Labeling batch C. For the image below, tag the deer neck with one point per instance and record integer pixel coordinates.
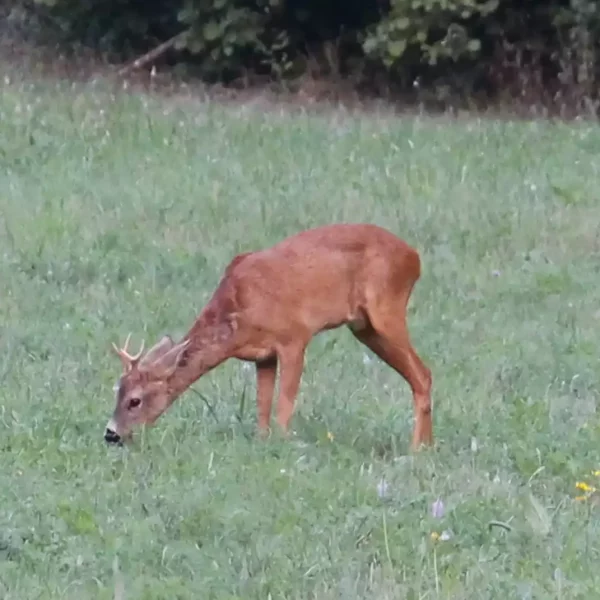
(210, 342)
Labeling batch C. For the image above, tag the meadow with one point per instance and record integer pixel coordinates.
(118, 214)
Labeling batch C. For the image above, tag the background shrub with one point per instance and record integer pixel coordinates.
(508, 47)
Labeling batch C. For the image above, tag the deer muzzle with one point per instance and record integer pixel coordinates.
(110, 434)
(111, 437)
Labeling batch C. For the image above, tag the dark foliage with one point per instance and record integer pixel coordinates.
(518, 48)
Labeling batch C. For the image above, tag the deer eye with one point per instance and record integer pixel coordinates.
(134, 403)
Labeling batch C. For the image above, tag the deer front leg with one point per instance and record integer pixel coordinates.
(266, 371)
(291, 359)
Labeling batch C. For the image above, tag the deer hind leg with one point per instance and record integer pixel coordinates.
(266, 373)
(387, 336)
(291, 359)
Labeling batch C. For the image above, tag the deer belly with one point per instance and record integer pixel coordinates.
(254, 353)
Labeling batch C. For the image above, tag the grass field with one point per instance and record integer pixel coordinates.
(119, 213)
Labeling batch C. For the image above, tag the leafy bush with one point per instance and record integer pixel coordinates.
(427, 30)
(228, 35)
(269, 36)
(491, 45)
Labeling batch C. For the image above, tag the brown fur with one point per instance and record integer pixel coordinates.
(266, 309)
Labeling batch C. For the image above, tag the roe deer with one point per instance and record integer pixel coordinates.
(266, 309)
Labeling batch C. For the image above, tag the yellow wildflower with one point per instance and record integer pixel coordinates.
(584, 487)
(435, 536)
(596, 473)
(330, 436)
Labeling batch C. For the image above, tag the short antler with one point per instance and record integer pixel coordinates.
(127, 359)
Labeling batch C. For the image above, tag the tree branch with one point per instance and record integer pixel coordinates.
(149, 56)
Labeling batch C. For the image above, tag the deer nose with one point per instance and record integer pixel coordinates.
(111, 437)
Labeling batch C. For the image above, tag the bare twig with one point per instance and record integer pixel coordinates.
(500, 524)
(149, 56)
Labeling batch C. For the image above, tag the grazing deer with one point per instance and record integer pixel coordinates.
(266, 309)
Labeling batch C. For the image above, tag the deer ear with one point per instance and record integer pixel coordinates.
(165, 364)
(161, 347)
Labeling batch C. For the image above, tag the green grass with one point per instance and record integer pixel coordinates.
(119, 213)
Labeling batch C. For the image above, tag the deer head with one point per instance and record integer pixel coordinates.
(143, 392)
